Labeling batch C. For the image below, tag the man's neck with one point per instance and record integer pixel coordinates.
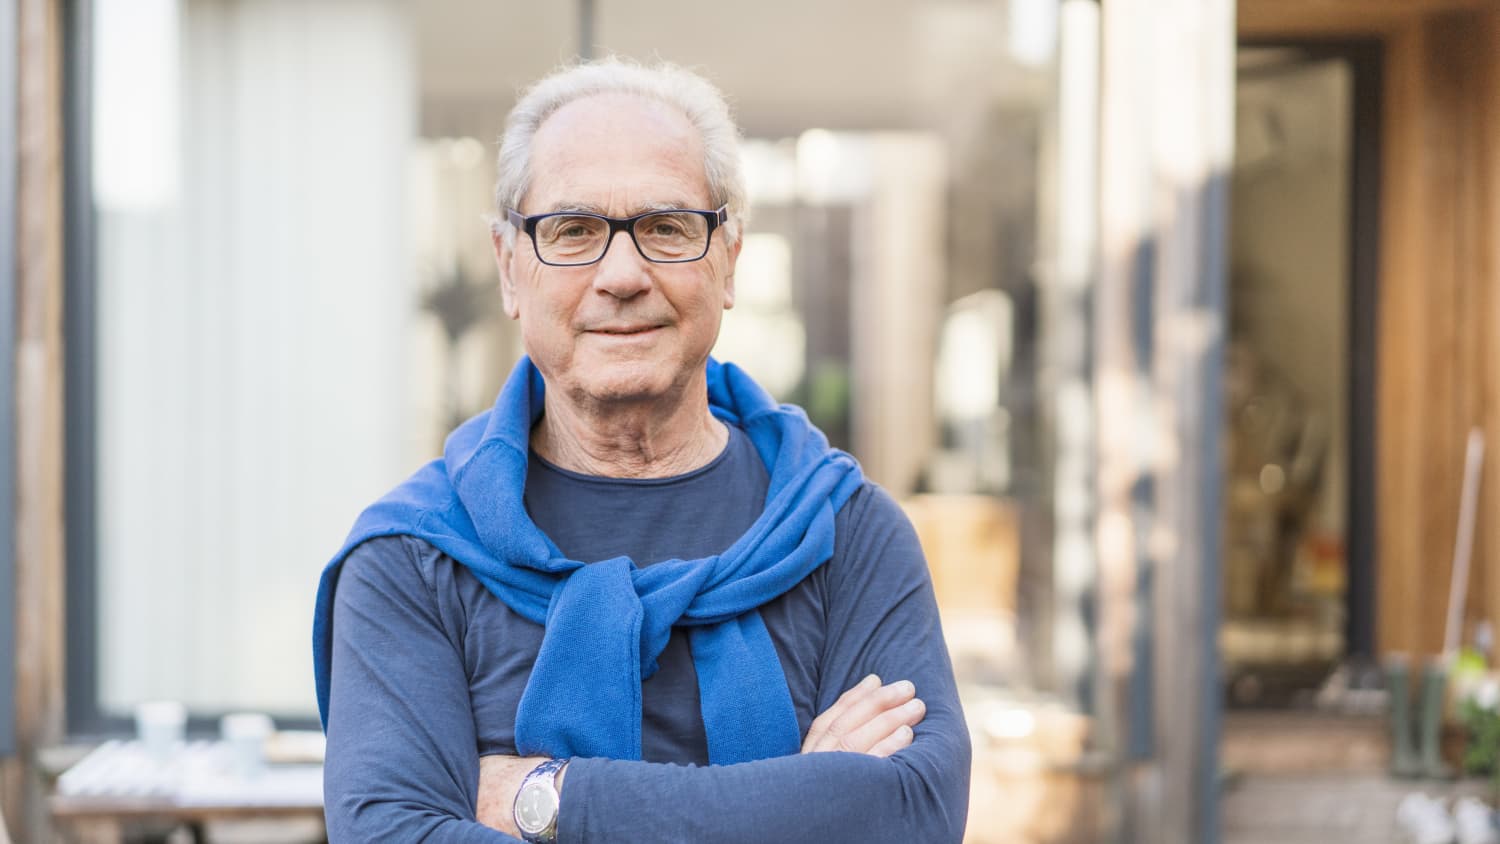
(646, 440)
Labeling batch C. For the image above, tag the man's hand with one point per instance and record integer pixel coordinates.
(499, 779)
(869, 718)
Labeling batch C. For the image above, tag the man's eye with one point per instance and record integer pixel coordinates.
(665, 227)
(573, 230)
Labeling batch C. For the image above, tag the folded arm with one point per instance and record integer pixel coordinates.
(401, 762)
(882, 618)
(919, 794)
(872, 719)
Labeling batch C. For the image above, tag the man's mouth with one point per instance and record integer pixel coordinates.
(624, 330)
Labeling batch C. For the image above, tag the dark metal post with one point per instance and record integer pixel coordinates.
(79, 294)
(1366, 60)
(586, 20)
(9, 48)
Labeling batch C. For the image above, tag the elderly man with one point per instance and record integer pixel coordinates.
(636, 599)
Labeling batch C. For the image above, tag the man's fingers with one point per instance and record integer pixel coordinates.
(865, 716)
(865, 737)
(869, 684)
(820, 736)
(898, 740)
(817, 733)
(867, 709)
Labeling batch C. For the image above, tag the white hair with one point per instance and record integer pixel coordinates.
(697, 98)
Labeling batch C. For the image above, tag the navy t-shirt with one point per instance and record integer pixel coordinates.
(428, 668)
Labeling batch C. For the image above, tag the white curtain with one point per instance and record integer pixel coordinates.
(253, 310)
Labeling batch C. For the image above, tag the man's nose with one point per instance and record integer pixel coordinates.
(622, 272)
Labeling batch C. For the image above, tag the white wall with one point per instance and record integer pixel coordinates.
(252, 330)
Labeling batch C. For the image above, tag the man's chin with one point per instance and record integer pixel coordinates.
(627, 383)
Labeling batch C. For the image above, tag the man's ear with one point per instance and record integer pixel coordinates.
(503, 254)
(734, 258)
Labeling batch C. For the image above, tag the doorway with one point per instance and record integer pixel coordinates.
(1299, 567)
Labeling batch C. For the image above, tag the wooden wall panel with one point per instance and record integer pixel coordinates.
(39, 418)
(1400, 329)
(1438, 451)
(1341, 18)
(1269, 21)
(1437, 318)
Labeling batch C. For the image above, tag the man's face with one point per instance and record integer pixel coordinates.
(623, 329)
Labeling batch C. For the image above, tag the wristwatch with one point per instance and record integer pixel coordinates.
(535, 811)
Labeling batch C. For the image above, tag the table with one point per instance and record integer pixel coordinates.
(119, 784)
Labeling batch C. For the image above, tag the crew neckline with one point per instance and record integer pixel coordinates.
(605, 480)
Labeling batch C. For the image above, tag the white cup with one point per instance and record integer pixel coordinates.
(245, 733)
(160, 725)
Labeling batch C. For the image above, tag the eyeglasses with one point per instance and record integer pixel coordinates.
(574, 239)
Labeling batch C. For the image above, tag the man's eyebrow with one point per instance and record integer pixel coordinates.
(580, 207)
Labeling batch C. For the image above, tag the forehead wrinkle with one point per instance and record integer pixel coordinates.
(599, 210)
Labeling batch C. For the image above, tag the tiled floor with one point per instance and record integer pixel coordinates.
(1291, 778)
(1323, 808)
(1312, 778)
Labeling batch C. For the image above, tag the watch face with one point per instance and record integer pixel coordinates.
(536, 807)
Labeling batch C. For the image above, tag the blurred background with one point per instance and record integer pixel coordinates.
(1168, 323)
(295, 297)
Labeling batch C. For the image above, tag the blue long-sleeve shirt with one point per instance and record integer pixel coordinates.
(428, 668)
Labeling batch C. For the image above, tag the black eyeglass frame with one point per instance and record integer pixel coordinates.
(715, 219)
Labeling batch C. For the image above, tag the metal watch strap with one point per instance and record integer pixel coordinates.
(547, 770)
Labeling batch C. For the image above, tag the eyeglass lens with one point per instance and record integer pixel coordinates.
(581, 239)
